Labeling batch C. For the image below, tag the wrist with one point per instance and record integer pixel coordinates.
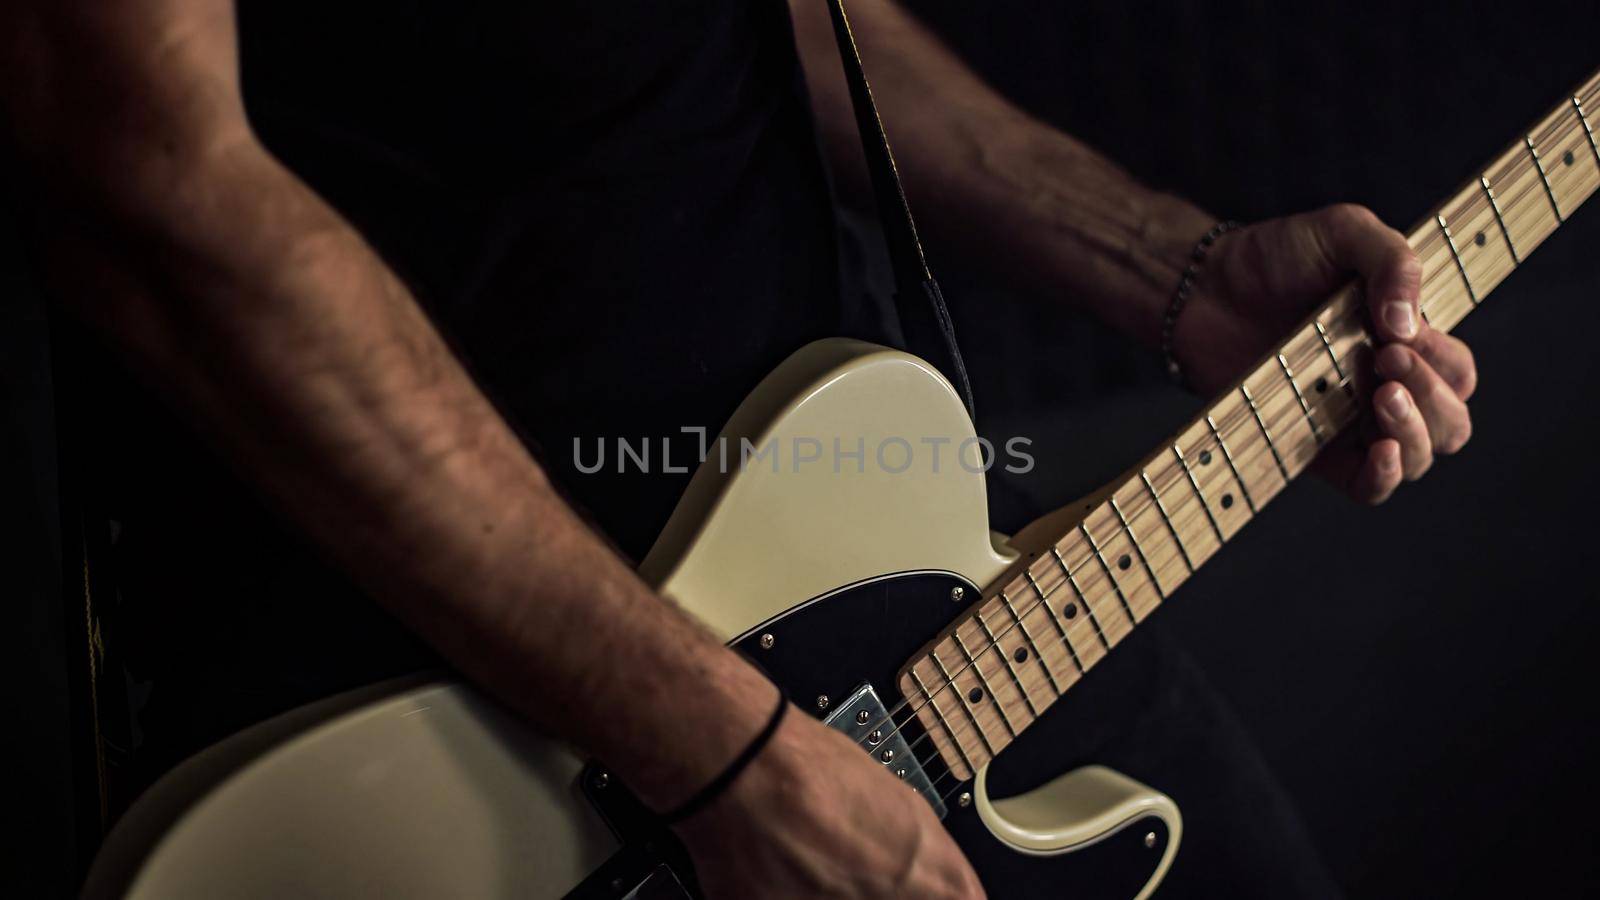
(1188, 286)
(676, 739)
(1169, 233)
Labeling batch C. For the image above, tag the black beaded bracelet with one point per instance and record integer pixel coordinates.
(1180, 298)
(714, 789)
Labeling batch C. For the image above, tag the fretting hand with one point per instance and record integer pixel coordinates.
(1259, 282)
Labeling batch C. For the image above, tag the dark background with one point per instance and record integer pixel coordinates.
(1418, 676)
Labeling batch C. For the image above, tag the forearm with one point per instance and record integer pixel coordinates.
(1031, 203)
(246, 300)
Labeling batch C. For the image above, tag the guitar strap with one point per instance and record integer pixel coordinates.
(917, 298)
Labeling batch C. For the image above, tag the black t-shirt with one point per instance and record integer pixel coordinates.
(616, 212)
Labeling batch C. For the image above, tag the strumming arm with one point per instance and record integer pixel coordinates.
(222, 279)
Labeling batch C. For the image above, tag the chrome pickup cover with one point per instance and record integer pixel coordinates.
(876, 733)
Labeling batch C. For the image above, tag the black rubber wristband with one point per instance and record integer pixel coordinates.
(703, 797)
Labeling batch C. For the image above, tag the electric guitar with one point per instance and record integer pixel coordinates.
(875, 595)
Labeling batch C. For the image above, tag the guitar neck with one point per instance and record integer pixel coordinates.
(1034, 635)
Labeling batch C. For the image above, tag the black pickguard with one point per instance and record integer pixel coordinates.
(828, 647)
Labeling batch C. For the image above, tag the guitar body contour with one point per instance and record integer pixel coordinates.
(830, 570)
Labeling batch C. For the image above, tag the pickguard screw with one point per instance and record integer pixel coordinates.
(602, 780)
(767, 640)
(875, 736)
(965, 799)
(822, 701)
(956, 593)
(887, 755)
(1150, 839)
(862, 717)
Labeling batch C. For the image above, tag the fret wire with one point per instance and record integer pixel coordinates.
(1316, 432)
(1516, 167)
(972, 663)
(1006, 658)
(1197, 493)
(1539, 164)
(1237, 418)
(1322, 333)
(1578, 105)
(1095, 545)
(1255, 412)
(1162, 508)
(965, 706)
(1073, 583)
(1028, 635)
(943, 722)
(1494, 204)
(1245, 390)
(1523, 212)
(1448, 304)
(1137, 547)
(1455, 254)
(1228, 455)
(1044, 600)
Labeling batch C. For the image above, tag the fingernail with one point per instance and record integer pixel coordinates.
(1398, 406)
(1401, 318)
(1394, 361)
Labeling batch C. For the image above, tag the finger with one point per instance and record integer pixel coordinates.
(1398, 418)
(1377, 473)
(1451, 358)
(1444, 414)
(1353, 239)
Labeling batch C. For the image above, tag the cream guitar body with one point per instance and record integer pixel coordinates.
(829, 579)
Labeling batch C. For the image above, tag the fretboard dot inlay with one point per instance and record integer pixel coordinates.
(1124, 562)
(975, 695)
(1480, 239)
(1567, 157)
(1070, 610)
(1205, 457)
(1322, 385)
(1021, 655)
(1227, 501)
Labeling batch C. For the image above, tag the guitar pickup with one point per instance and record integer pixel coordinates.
(865, 720)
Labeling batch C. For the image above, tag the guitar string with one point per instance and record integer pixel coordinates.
(1083, 631)
(1571, 132)
(1145, 505)
(1177, 475)
(1350, 413)
(1253, 447)
(1257, 446)
(1193, 506)
(936, 781)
